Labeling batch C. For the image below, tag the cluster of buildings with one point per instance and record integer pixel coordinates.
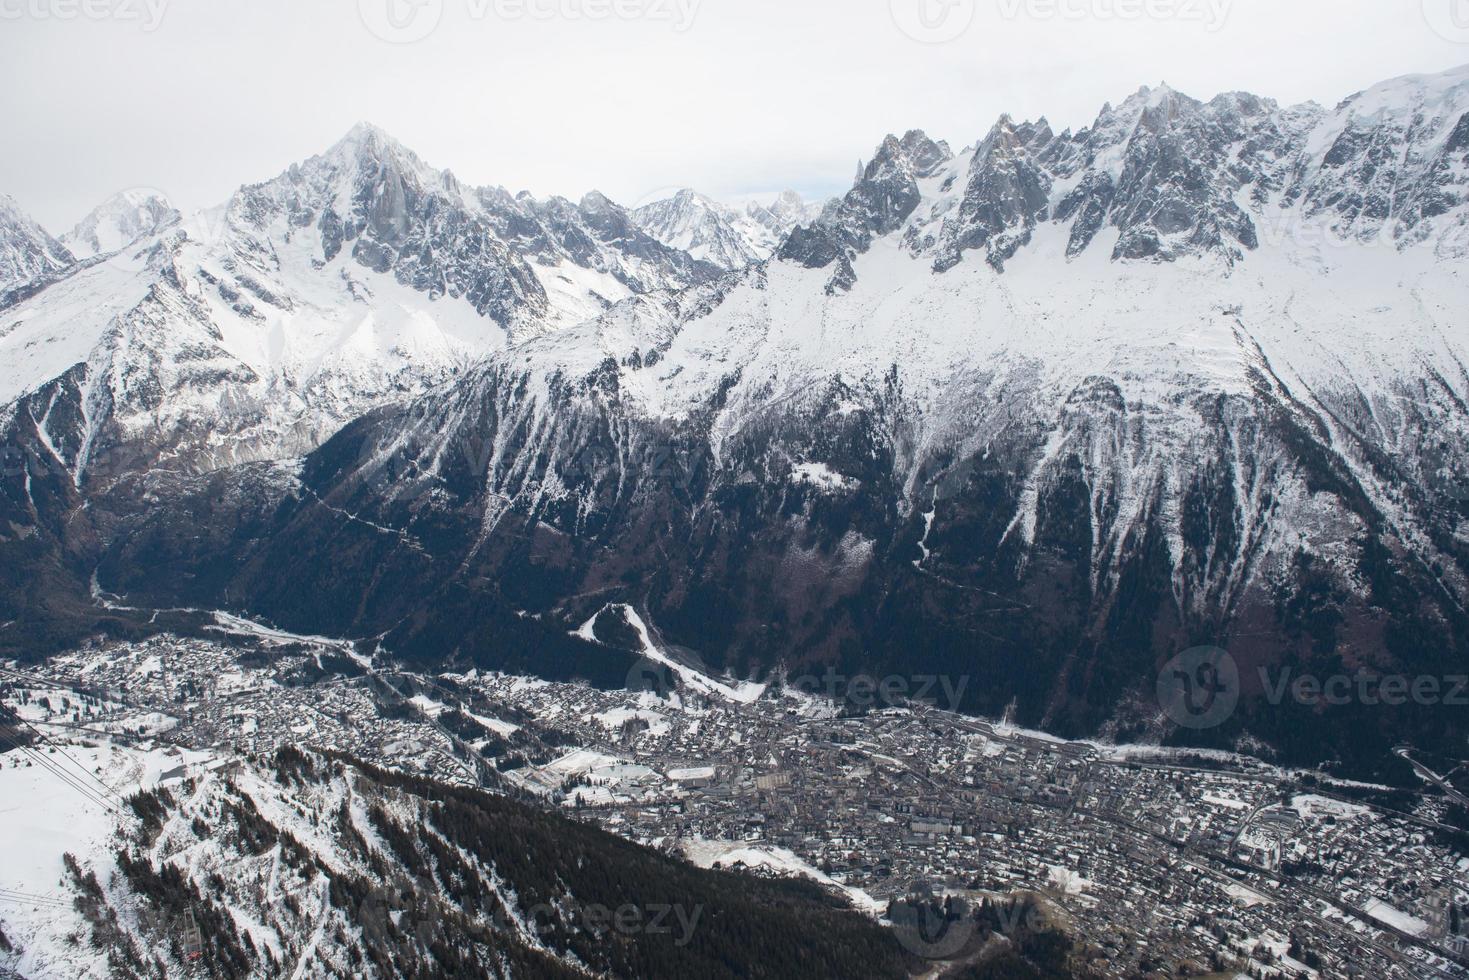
(1154, 861)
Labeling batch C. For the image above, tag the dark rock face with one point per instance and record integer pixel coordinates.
(1175, 192)
(1006, 197)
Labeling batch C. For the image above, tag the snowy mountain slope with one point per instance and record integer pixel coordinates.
(1059, 443)
(1380, 173)
(728, 238)
(784, 213)
(358, 277)
(118, 222)
(297, 864)
(27, 252)
(708, 230)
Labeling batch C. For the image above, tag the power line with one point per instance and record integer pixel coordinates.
(15, 896)
(55, 770)
(46, 739)
(51, 767)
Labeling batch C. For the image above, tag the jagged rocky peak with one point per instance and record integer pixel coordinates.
(27, 251)
(914, 155)
(924, 155)
(1163, 176)
(119, 221)
(375, 199)
(782, 215)
(885, 194)
(595, 202)
(1007, 194)
(370, 145)
(614, 225)
(1176, 190)
(365, 181)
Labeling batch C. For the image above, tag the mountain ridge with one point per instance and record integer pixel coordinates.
(1061, 406)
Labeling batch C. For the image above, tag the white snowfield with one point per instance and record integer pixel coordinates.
(1362, 303)
(251, 381)
(118, 222)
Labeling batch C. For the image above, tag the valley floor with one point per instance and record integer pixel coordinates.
(1152, 859)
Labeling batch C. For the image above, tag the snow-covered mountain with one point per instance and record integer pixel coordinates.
(256, 329)
(722, 235)
(118, 222)
(1061, 405)
(27, 252)
(707, 230)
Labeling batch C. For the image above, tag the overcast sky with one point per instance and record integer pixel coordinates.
(735, 97)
